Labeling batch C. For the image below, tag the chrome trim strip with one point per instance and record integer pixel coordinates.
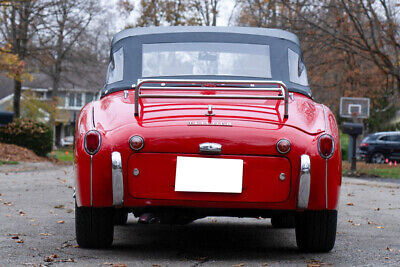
(304, 182)
(326, 183)
(210, 148)
(284, 92)
(91, 180)
(326, 159)
(117, 179)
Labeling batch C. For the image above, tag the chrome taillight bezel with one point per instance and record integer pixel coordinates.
(319, 146)
(283, 140)
(136, 149)
(84, 142)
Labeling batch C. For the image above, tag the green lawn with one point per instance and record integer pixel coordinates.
(6, 162)
(63, 154)
(373, 170)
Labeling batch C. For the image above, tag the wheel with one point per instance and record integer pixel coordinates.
(316, 230)
(94, 227)
(120, 217)
(378, 158)
(283, 221)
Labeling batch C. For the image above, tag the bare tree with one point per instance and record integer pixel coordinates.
(17, 30)
(208, 10)
(64, 24)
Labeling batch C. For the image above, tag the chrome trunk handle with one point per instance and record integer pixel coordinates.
(210, 148)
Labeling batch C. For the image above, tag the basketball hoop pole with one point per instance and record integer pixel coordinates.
(356, 109)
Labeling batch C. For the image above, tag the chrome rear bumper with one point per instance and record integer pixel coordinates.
(117, 179)
(304, 182)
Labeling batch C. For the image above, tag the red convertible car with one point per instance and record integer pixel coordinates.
(207, 121)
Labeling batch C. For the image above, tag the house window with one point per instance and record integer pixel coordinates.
(72, 100)
(78, 100)
(62, 98)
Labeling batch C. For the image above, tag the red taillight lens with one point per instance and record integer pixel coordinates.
(136, 142)
(92, 142)
(326, 146)
(283, 146)
(364, 145)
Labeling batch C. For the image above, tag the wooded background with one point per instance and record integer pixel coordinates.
(351, 47)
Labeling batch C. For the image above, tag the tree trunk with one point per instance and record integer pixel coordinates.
(17, 98)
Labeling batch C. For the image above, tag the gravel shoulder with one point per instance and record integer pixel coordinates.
(37, 227)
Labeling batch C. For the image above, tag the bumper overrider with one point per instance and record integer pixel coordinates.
(117, 179)
(118, 182)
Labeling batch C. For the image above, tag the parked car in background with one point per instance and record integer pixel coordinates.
(379, 147)
(207, 121)
(67, 141)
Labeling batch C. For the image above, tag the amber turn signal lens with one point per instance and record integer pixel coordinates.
(283, 146)
(92, 142)
(136, 142)
(326, 146)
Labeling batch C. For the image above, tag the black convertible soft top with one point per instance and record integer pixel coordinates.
(126, 64)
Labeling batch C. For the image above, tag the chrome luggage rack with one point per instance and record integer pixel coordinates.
(211, 85)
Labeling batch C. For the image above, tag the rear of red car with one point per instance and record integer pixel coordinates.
(175, 150)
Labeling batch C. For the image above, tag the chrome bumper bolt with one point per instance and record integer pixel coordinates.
(282, 177)
(136, 172)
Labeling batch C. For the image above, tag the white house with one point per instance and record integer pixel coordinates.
(73, 98)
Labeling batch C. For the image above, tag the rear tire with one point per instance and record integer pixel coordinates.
(316, 230)
(378, 158)
(120, 217)
(283, 221)
(94, 227)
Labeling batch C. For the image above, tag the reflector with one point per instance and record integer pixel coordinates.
(283, 146)
(136, 142)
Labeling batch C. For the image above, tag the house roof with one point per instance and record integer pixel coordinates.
(71, 82)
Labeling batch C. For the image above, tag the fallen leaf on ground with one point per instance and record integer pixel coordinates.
(59, 206)
(350, 204)
(387, 248)
(20, 241)
(50, 258)
(119, 265)
(377, 209)
(380, 227)
(45, 234)
(238, 265)
(22, 213)
(60, 222)
(70, 210)
(15, 237)
(350, 221)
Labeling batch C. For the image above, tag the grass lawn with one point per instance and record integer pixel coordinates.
(63, 154)
(372, 170)
(5, 162)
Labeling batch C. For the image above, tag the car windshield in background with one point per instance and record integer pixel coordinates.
(371, 137)
(185, 59)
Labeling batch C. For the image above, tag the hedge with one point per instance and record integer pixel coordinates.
(33, 135)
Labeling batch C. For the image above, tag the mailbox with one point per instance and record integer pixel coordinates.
(352, 128)
(6, 117)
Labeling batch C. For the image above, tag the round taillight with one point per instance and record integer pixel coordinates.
(283, 146)
(136, 142)
(92, 142)
(326, 146)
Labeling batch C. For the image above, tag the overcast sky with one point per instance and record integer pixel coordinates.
(225, 8)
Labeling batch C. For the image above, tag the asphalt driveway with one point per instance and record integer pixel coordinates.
(37, 227)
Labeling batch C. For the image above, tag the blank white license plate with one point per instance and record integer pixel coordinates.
(208, 175)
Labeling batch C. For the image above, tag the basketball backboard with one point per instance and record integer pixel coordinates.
(354, 107)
